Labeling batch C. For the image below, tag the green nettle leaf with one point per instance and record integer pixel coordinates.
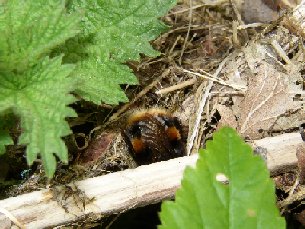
(40, 97)
(97, 36)
(6, 122)
(29, 29)
(246, 200)
(101, 81)
(122, 30)
(5, 139)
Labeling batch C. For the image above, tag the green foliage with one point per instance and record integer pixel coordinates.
(246, 201)
(6, 123)
(49, 49)
(5, 139)
(118, 32)
(39, 96)
(33, 86)
(30, 29)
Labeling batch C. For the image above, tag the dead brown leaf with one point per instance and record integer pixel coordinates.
(268, 96)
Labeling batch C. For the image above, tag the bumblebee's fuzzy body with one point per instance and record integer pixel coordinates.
(154, 135)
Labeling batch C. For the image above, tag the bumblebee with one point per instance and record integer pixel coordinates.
(154, 135)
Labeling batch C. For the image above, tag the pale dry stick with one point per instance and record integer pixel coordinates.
(211, 3)
(183, 28)
(176, 87)
(110, 194)
(252, 25)
(12, 218)
(275, 59)
(140, 95)
(299, 195)
(280, 51)
(173, 46)
(294, 21)
(294, 187)
(200, 133)
(185, 10)
(235, 39)
(149, 62)
(212, 78)
(194, 125)
(112, 221)
(227, 93)
(222, 82)
(199, 112)
(117, 192)
(188, 30)
(194, 130)
(297, 181)
(238, 16)
(236, 12)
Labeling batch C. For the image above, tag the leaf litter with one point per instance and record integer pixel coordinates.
(270, 94)
(269, 101)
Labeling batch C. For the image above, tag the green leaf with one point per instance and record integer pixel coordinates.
(101, 81)
(7, 121)
(30, 29)
(40, 97)
(124, 28)
(246, 201)
(119, 31)
(5, 139)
